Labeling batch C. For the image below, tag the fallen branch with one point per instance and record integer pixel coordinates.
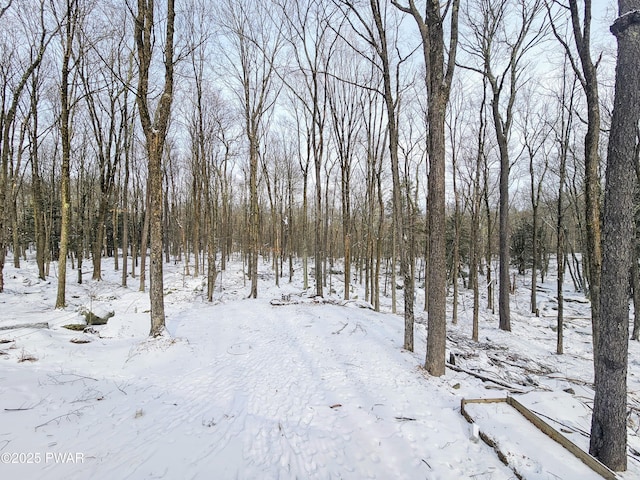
(541, 370)
(485, 378)
(576, 381)
(26, 325)
(58, 419)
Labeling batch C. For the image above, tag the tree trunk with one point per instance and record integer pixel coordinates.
(36, 180)
(609, 420)
(125, 198)
(156, 290)
(144, 239)
(504, 309)
(254, 218)
(155, 130)
(65, 139)
(534, 260)
(592, 160)
(635, 279)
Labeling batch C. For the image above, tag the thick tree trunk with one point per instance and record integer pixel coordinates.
(609, 420)
(156, 285)
(437, 333)
(635, 281)
(592, 204)
(155, 129)
(504, 308)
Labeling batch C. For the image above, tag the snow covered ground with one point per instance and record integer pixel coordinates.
(250, 390)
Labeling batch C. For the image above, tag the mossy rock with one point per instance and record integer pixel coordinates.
(99, 318)
(76, 327)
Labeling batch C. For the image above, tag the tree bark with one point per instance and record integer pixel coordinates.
(592, 161)
(609, 420)
(438, 82)
(155, 130)
(65, 139)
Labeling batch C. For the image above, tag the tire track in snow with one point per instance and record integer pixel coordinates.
(252, 398)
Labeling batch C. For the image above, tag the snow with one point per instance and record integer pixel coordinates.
(295, 388)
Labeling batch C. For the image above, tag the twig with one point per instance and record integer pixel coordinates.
(78, 378)
(57, 419)
(121, 389)
(337, 332)
(573, 429)
(577, 381)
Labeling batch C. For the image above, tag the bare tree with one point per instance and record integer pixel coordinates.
(376, 32)
(562, 129)
(535, 131)
(252, 63)
(154, 126)
(36, 175)
(439, 74)
(456, 132)
(487, 37)
(308, 31)
(104, 81)
(70, 24)
(477, 188)
(586, 71)
(128, 119)
(26, 68)
(344, 99)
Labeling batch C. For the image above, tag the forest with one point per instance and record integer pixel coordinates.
(404, 146)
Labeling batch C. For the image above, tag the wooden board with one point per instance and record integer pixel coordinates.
(539, 423)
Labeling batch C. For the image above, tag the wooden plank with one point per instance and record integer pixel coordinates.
(552, 433)
(486, 438)
(544, 427)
